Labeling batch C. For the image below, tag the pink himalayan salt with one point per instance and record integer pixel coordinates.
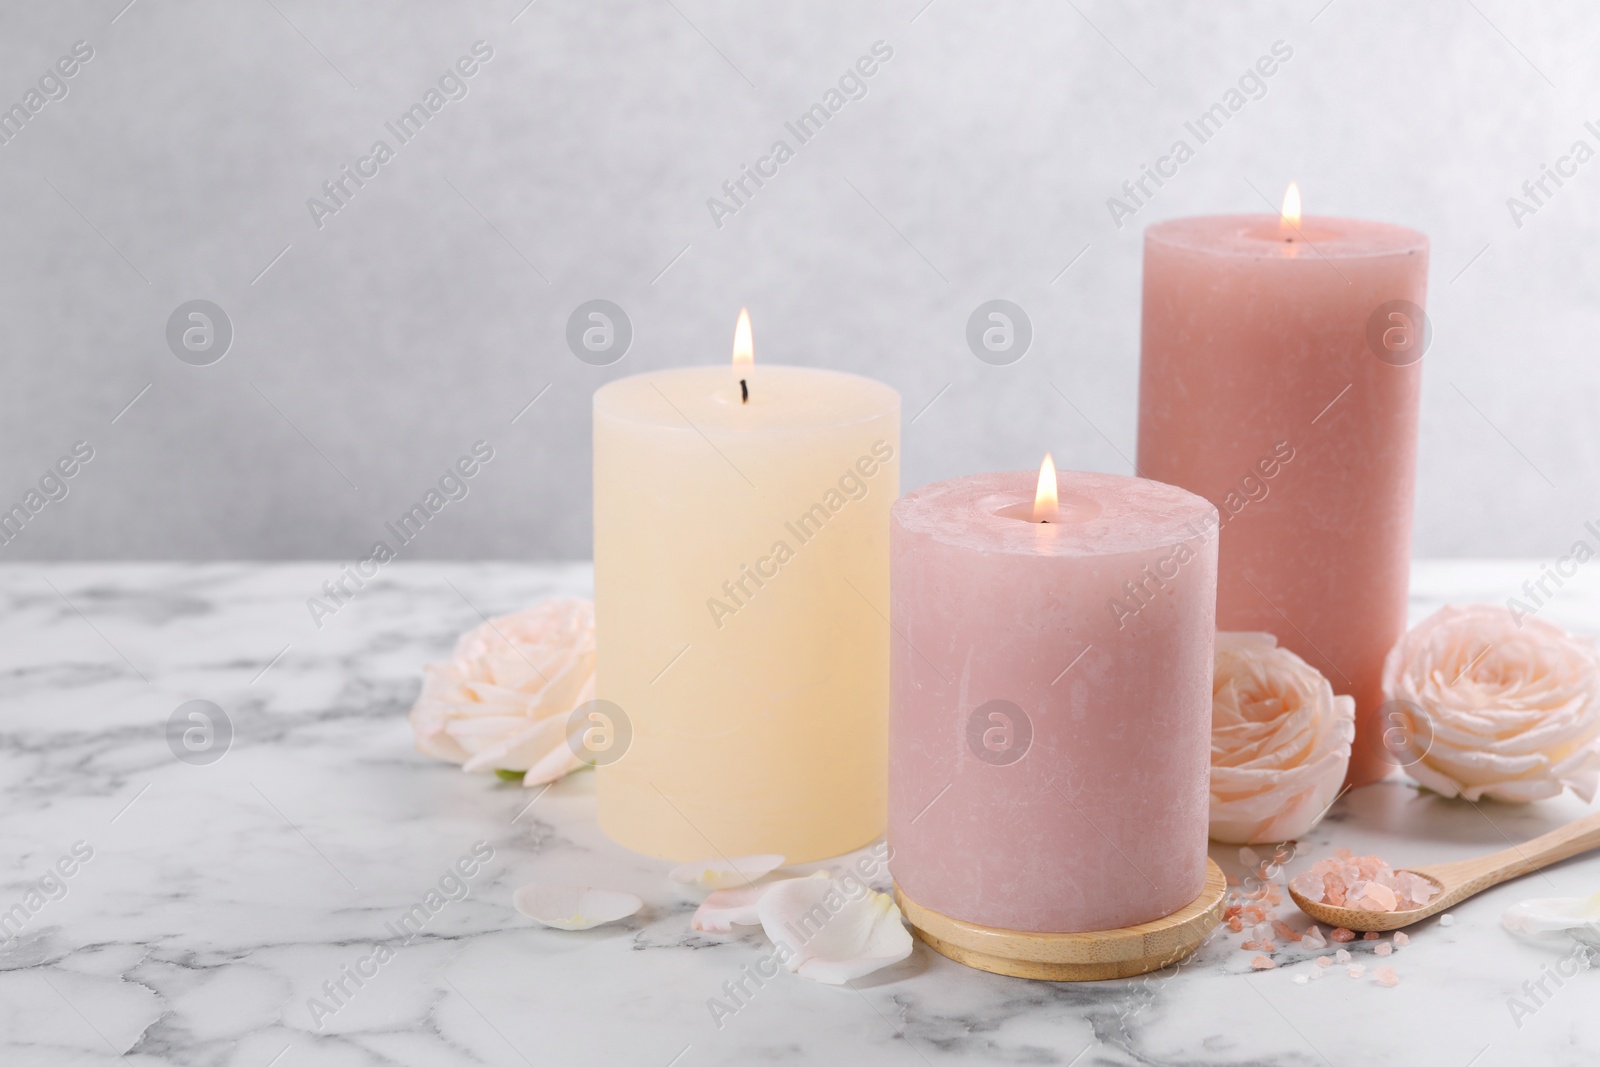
(1384, 949)
(1342, 956)
(1324, 961)
(1401, 938)
(1377, 897)
(1341, 935)
(1386, 976)
(1261, 963)
(1313, 938)
(1356, 970)
(1284, 930)
(1371, 935)
(1235, 924)
(1364, 882)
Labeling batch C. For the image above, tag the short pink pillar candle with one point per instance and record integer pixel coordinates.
(1050, 700)
(1280, 380)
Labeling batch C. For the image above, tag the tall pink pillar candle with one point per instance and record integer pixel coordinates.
(1049, 733)
(1280, 379)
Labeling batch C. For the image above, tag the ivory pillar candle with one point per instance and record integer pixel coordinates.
(1280, 380)
(741, 565)
(1050, 731)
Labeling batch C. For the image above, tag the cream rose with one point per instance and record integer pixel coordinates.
(502, 701)
(1509, 709)
(1280, 741)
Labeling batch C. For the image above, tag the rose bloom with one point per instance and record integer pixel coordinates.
(1280, 741)
(503, 699)
(1509, 709)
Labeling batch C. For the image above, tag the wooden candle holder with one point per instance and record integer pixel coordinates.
(1081, 957)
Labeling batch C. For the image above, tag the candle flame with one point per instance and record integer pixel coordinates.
(1290, 217)
(1045, 506)
(744, 346)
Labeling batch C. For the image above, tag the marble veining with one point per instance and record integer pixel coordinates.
(220, 902)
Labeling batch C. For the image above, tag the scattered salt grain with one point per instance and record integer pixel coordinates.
(1447, 920)
(1342, 956)
(1356, 970)
(1324, 961)
(1386, 976)
(1341, 935)
(1301, 979)
(1402, 938)
(1284, 930)
(1384, 949)
(1313, 938)
(1261, 963)
(1371, 935)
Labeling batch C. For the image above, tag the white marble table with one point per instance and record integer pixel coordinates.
(219, 899)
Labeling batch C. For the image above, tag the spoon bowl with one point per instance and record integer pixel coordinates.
(1362, 920)
(1464, 878)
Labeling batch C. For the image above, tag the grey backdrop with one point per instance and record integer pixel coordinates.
(372, 351)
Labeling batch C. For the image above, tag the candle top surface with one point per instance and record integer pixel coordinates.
(1100, 514)
(1264, 237)
(780, 397)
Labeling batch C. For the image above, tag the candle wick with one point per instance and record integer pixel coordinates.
(744, 391)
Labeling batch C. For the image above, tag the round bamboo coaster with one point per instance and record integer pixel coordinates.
(1081, 957)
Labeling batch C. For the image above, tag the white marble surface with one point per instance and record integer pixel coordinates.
(220, 898)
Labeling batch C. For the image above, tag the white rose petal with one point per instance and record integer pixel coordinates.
(727, 908)
(1280, 741)
(723, 873)
(1510, 706)
(574, 907)
(502, 700)
(1545, 916)
(832, 931)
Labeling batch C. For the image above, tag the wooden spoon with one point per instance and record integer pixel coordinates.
(1465, 878)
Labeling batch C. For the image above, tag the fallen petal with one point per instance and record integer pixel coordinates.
(574, 907)
(1551, 916)
(724, 873)
(727, 908)
(831, 932)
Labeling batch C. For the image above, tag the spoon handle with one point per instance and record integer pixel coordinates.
(1476, 875)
